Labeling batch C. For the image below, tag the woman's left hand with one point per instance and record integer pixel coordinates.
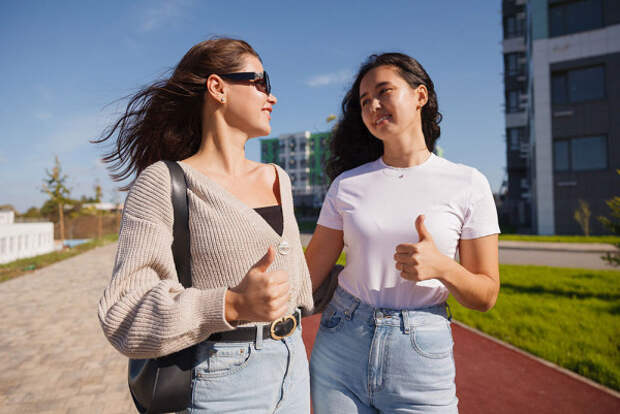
(422, 260)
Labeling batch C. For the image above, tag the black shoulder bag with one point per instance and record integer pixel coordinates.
(163, 385)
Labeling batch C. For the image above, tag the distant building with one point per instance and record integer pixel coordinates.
(21, 240)
(302, 155)
(562, 90)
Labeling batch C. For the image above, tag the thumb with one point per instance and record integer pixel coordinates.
(423, 234)
(263, 264)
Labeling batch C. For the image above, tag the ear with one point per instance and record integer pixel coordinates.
(215, 87)
(422, 94)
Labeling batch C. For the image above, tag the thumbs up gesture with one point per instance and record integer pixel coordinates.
(419, 261)
(262, 296)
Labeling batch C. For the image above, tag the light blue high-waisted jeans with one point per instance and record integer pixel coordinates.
(374, 360)
(262, 376)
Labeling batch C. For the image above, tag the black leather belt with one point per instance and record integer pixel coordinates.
(278, 329)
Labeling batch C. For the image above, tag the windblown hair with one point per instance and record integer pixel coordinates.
(352, 144)
(162, 121)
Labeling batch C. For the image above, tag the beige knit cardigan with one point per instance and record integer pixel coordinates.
(145, 312)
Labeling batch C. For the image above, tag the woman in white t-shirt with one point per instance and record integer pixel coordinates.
(401, 213)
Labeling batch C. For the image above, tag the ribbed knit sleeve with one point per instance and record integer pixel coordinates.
(145, 312)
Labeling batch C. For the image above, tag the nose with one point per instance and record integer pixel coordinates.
(375, 104)
(272, 99)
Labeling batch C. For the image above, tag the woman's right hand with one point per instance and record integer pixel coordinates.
(261, 296)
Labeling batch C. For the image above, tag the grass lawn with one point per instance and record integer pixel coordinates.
(23, 266)
(560, 239)
(570, 317)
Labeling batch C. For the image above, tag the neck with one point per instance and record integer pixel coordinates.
(405, 150)
(222, 149)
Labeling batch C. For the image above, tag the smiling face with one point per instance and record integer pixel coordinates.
(390, 106)
(247, 107)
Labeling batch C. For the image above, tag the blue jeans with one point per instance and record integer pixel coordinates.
(262, 376)
(368, 360)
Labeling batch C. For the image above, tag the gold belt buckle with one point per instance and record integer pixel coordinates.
(283, 319)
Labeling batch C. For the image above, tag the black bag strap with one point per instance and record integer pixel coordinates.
(180, 229)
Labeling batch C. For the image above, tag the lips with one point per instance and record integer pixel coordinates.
(268, 110)
(382, 119)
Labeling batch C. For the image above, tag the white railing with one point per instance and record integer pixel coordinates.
(21, 240)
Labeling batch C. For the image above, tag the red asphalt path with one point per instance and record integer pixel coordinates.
(493, 378)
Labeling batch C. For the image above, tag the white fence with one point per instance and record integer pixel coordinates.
(21, 240)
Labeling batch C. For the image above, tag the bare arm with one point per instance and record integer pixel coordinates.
(323, 252)
(474, 282)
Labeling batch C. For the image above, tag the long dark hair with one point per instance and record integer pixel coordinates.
(352, 144)
(162, 121)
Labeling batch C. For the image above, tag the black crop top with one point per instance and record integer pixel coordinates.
(273, 216)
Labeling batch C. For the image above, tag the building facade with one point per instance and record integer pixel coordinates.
(562, 91)
(21, 240)
(302, 155)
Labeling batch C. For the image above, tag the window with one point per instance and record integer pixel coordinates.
(302, 163)
(292, 163)
(575, 16)
(578, 85)
(580, 154)
(589, 154)
(560, 155)
(512, 101)
(513, 65)
(514, 138)
(513, 27)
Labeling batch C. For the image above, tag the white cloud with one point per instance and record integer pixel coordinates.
(161, 13)
(330, 78)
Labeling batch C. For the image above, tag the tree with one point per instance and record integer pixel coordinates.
(98, 195)
(32, 212)
(582, 216)
(54, 185)
(612, 225)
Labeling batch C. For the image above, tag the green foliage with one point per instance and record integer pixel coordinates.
(32, 212)
(582, 216)
(55, 184)
(613, 225)
(567, 316)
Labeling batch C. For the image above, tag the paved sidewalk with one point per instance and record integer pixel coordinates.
(55, 358)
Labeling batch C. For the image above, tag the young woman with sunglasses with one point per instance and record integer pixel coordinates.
(247, 264)
(402, 213)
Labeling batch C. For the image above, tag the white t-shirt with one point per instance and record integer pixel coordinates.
(376, 205)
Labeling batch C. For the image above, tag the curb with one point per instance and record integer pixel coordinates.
(551, 365)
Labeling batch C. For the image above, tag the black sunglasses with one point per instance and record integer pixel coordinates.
(260, 80)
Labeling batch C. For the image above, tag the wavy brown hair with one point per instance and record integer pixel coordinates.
(352, 144)
(162, 121)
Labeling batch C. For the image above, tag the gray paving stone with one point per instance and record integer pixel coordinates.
(54, 357)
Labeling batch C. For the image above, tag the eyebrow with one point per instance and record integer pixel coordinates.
(376, 86)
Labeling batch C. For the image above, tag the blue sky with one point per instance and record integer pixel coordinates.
(65, 65)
